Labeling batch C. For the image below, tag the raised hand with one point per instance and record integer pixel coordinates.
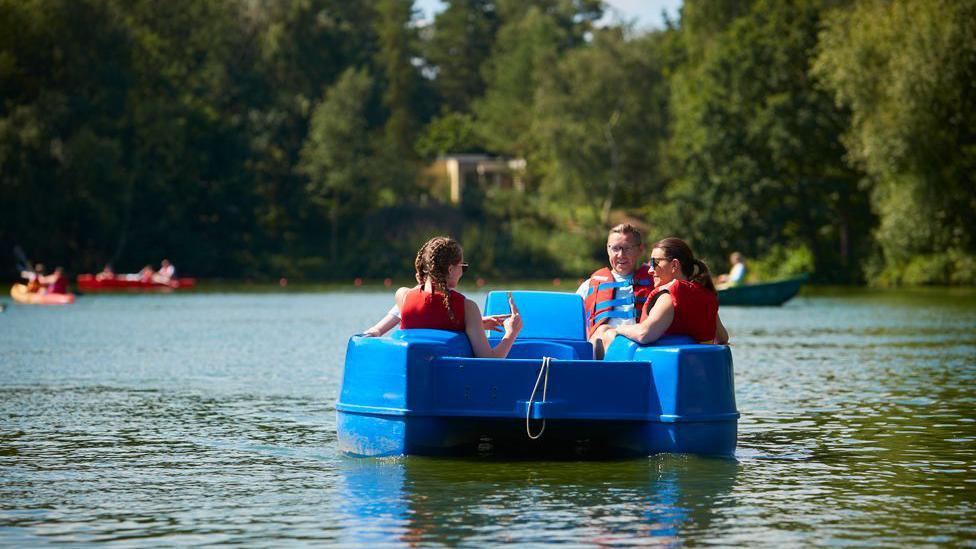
(494, 322)
(513, 324)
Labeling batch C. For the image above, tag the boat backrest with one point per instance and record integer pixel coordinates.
(545, 315)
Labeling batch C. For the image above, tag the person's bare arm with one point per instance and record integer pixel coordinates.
(385, 324)
(658, 320)
(721, 334)
(476, 333)
(389, 321)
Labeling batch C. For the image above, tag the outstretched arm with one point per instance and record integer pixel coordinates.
(658, 320)
(389, 321)
(386, 324)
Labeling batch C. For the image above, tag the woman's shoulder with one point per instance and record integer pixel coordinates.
(401, 294)
(469, 304)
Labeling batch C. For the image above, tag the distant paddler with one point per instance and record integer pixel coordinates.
(735, 276)
(145, 274)
(166, 273)
(106, 274)
(35, 278)
(56, 282)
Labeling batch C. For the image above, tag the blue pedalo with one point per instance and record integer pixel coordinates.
(421, 392)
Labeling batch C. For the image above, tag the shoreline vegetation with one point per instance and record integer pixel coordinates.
(377, 286)
(307, 139)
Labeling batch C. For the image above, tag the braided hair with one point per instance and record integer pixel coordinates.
(439, 254)
(418, 264)
(694, 269)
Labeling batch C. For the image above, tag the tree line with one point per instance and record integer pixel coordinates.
(266, 138)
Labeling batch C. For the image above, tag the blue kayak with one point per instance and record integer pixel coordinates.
(421, 392)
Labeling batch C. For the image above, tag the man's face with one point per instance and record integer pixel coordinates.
(624, 253)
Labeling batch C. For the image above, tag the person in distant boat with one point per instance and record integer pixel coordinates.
(56, 282)
(392, 318)
(166, 272)
(436, 305)
(146, 274)
(736, 275)
(106, 274)
(35, 278)
(684, 300)
(613, 296)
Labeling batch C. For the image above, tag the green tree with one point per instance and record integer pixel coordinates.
(460, 41)
(336, 155)
(906, 71)
(451, 132)
(303, 46)
(401, 81)
(602, 120)
(66, 70)
(525, 48)
(756, 142)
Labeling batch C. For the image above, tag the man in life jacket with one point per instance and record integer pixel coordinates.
(614, 295)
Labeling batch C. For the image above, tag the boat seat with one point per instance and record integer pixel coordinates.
(553, 324)
(545, 315)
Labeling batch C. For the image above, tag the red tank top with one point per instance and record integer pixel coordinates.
(425, 310)
(695, 310)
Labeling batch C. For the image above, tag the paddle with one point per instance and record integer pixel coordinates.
(23, 264)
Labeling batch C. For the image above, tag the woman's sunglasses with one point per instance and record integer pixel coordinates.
(464, 267)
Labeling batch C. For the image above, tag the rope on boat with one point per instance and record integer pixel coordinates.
(545, 387)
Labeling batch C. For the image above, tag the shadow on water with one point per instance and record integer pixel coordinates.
(461, 501)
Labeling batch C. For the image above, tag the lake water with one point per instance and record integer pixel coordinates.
(209, 418)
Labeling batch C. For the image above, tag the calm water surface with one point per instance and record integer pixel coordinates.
(209, 418)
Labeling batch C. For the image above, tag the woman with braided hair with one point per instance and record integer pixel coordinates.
(691, 307)
(435, 304)
(392, 318)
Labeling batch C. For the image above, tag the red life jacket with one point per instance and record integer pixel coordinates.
(59, 286)
(600, 299)
(426, 310)
(34, 283)
(695, 310)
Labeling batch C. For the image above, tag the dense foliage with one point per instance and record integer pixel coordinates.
(261, 138)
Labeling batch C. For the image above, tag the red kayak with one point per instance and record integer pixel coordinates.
(89, 283)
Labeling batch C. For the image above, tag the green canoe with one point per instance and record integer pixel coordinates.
(763, 294)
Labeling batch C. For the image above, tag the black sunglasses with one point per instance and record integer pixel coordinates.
(464, 267)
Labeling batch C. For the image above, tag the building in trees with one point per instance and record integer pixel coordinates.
(448, 177)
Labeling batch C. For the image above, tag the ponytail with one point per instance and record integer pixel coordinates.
(701, 275)
(692, 268)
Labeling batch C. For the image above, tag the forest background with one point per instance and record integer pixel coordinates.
(255, 139)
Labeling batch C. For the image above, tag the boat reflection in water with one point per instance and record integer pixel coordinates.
(420, 500)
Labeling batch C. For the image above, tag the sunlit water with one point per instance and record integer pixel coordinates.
(210, 418)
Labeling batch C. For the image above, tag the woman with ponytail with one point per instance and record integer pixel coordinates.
(691, 305)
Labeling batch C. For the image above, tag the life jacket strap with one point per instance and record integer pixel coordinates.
(614, 314)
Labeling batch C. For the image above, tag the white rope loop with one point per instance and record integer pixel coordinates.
(545, 387)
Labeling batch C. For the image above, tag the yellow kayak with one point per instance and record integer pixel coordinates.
(21, 295)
